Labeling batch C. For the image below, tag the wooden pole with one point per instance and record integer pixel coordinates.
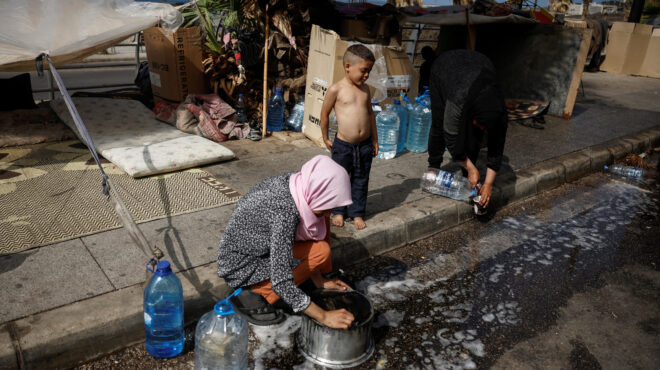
(264, 108)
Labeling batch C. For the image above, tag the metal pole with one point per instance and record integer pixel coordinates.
(264, 108)
(50, 83)
(137, 52)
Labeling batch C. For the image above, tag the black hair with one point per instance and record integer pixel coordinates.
(359, 51)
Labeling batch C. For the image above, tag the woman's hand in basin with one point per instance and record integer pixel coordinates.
(338, 319)
(335, 284)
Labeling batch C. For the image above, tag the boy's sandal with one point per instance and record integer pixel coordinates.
(255, 309)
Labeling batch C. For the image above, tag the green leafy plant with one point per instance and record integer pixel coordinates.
(209, 13)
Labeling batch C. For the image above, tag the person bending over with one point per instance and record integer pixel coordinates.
(278, 237)
(465, 103)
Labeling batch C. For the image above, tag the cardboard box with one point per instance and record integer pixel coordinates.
(626, 48)
(651, 64)
(175, 62)
(325, 67)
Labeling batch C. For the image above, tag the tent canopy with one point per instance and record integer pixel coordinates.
(73, 29)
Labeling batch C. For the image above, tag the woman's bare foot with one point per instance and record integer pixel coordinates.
(359, 223)
(338, 220)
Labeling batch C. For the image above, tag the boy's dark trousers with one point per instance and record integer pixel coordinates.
(356, 160)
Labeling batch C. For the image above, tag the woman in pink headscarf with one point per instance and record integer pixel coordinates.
(279, 237)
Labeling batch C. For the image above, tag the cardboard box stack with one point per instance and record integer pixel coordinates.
(326, 51)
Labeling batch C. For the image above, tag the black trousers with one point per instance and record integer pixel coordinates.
(356, 159)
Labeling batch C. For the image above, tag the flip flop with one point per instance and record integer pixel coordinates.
(255, 309)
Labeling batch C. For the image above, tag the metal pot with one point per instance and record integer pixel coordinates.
(338, 348)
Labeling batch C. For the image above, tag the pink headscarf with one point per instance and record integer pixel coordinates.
(320, 185)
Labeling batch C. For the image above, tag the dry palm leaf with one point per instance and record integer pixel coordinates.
(282, 22)
(635, 161)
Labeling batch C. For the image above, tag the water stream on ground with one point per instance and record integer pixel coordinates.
(521, 269)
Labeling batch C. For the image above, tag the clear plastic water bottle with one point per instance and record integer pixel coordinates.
(627, 171)
(447, 184)
(163, 313)
(376, 108)
(241, 116)
(275, 118)
(387, 125)
(419, 126)
(332, 126)
(402, 113)
(295, 119)
(426, 96)
(221, 339)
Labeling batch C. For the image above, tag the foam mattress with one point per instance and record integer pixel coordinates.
(126, 133)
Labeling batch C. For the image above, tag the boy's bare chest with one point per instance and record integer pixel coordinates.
(352, 97)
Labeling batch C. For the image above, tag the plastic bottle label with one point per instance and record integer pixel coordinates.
(445, 180)
(147, 319)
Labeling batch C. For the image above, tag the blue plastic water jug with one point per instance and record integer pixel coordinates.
(387, 125)
(221, 338)
(163, 313)
(275, 117)
(402, 112)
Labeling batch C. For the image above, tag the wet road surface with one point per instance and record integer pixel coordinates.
(568, 279)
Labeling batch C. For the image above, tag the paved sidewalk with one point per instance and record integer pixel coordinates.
(71, 301)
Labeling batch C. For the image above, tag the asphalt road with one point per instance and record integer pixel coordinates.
(568, 279)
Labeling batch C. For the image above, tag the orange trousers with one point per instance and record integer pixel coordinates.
(314, 256)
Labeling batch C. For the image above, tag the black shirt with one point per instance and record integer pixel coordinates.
(463, 90)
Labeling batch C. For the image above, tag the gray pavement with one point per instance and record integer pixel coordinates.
(71, 301)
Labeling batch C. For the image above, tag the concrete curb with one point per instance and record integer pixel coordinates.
(69, 335)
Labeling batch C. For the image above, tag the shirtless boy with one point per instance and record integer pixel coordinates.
(356, 142)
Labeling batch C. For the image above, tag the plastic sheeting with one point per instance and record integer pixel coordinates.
(72, 29)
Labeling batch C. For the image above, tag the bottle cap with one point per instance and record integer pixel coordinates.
(224, 308)
(278, 90)
(397, 102)
(239, 95)
(163, 268)
(606, 167)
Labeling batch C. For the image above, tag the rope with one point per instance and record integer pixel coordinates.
(108, 187)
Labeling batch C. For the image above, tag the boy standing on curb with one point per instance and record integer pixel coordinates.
(356, 142)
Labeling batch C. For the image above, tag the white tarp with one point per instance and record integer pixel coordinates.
(71, 29)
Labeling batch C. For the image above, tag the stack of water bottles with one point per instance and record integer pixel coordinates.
(295, 119)
(447, 184)
(275, 116)
(221, 338)
(387, 126)
(419, 127)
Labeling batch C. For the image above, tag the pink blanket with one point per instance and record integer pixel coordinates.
(205, 115)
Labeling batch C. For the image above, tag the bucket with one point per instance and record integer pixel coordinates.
(338, 348)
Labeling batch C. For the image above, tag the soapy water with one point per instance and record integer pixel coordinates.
(459, 311)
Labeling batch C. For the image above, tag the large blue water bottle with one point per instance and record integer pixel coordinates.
(221, 339)
(163, 313)
(426, 96)
(402, 112)
(419, 126)
(387, 125)
(275, 118)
